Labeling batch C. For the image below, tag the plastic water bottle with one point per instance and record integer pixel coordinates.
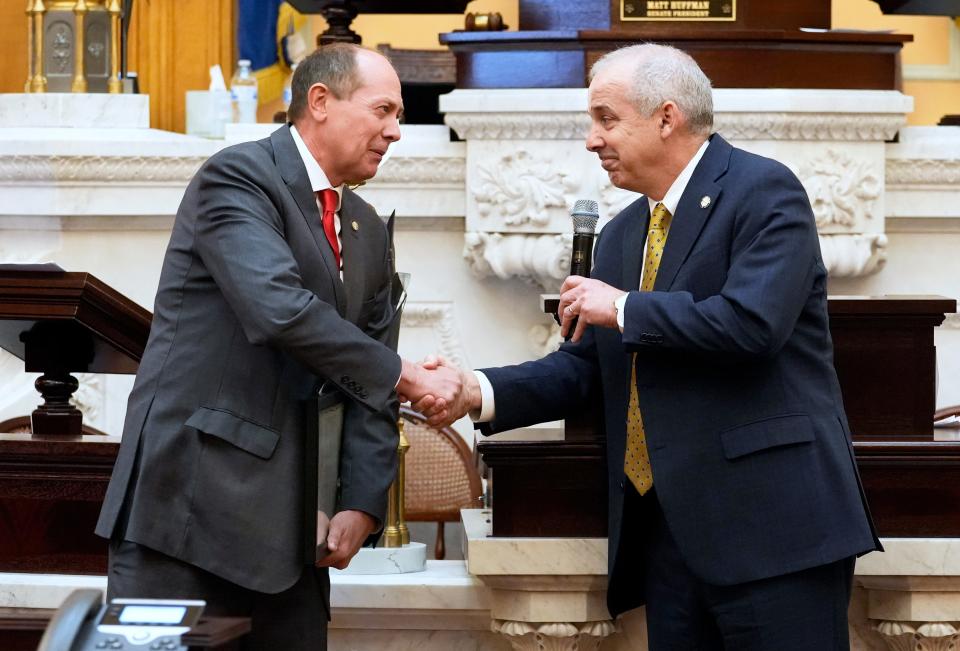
(287, 87)
(243, 93)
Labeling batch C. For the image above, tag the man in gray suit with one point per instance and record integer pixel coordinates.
(277, 280)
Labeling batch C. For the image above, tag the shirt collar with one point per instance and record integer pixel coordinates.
(671, 199)
(318, 180)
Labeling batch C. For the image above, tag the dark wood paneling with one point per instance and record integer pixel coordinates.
(119, 326)
(913, 488)
(556, 488)
(605, 14)
(565, 14)
(731, 58)
(50, 494)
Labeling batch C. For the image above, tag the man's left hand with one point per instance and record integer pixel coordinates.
(348, 530)
(588, 300)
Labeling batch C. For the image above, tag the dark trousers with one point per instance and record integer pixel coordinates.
(291, 620)
(802, 611)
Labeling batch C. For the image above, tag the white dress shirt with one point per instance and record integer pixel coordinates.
(670, 201)
(318, 182)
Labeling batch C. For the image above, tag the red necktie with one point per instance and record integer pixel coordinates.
(328, 199)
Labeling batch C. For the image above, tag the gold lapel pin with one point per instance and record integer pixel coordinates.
(705, 201)
(355, 226)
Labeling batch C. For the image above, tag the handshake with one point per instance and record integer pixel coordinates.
(440, 391)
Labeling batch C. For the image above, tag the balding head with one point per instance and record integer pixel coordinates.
(655, 74)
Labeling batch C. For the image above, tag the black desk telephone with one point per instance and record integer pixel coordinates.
(85, 623)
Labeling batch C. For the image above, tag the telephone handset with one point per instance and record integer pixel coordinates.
(79, 608)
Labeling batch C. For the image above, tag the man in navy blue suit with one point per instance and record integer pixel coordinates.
(735, 508)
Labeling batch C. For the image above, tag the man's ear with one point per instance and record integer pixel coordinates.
(670, 118)
(318, 96)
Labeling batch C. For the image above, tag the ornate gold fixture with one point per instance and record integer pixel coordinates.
(74, 46)
(396, 533)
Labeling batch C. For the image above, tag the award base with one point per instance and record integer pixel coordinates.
(388, 560)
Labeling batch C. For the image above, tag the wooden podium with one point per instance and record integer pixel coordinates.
(737, 43)
(53, 480)
(885, 359)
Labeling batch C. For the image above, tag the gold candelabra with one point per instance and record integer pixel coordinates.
(58, 30)
(396, 533)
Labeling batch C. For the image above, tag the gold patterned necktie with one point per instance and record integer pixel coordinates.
(636, 462)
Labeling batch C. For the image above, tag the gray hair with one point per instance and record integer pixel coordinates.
(333, 65)
(663, 73)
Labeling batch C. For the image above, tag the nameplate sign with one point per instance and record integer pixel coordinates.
(678, 10)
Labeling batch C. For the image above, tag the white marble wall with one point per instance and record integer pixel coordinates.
(482, 224)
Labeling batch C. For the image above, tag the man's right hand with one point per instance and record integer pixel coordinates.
(469, 399)
(433, 391)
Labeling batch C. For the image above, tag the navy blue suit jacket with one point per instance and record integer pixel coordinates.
(748, 441)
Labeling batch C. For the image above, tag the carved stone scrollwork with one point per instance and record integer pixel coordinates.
(572, 125)
(554, 636)
(815, 126)
(849, 256)
(519, 126)
(843, 192)
(422, 170)
(520, 189)
(543, 260)
(90, 397)
(931, 636)
(113, 169)
(544, 339)
(439, 317)
(923, 171)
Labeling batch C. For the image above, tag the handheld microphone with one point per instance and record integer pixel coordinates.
(585, 218)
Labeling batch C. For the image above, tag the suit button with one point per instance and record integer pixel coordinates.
(344, 379)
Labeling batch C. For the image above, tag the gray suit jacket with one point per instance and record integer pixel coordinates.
(250, 317)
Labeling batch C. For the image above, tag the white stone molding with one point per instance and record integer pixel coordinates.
(541, 259)
(544, 338)
(739, 113)
(519, 188)
(544, 259)
(902, 173)
(952, 322)
(614, 200)
(571, 125)
(427, 170)
(732, 126)
(868, 127)
(90, 398)
(554, 636)
(65, 168)
(439, 318)
(930, 636)
(843, 191)
(852, 255)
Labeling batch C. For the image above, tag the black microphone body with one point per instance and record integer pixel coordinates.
(585, 218)
(581, 258)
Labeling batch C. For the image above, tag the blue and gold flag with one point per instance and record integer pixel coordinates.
(274, 36)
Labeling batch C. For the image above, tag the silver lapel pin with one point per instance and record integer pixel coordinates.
(705, 201)
(355, 226)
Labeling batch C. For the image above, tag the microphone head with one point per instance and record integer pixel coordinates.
(585, 216)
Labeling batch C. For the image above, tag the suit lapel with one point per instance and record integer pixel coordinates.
(696, 204)
(295, 176)
(354, 256)
(635, 233)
